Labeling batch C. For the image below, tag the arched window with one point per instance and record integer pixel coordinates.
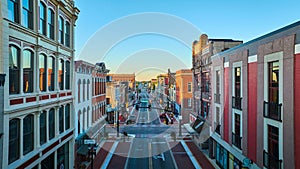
(50, 24)
(27, 71)
(79, 83)
(27, 13)
(67, 34)
(88, 89)
(67, 116)
(14, 70)
(83, 90)
(43, 11)
(51, 123)
(28, 136)
(61, 119)
(42, 70)
(68, 75)
(43, 127)
(61, 30)
(14, 140)
(51, 71)
(61, 74)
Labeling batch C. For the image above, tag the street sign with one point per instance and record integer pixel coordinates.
(180, 117)
(89, 141)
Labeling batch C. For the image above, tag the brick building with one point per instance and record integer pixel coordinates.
(184, 92)
(256, 116)
(37, 50)
(90, 107)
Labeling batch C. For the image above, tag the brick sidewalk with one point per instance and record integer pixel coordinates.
(201, 158)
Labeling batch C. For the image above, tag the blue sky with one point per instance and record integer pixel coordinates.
(146, 37)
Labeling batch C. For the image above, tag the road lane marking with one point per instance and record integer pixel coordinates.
(190, 154)
(150, 155)
(109, 156)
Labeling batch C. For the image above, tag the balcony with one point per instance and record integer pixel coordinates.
(237, 103)
(218, 128)
(272, 110)
(217, 97)
(271, 161)
(237, 140)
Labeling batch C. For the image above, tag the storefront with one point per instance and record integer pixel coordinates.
(225, 159)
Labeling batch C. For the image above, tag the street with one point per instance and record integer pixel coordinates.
(149, 144)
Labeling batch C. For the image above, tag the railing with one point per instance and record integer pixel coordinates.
(218, 128)
(237, 140)
(272, 110)
(271, 161)
(217, 98)
(237, 103)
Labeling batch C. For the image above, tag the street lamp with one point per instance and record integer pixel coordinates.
(92, 152)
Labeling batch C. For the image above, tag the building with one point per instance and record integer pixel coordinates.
(202, 52)
(257, 115)
(90, 107)
(36, 54)
(130, 78)
(2, 81)
(184, 92)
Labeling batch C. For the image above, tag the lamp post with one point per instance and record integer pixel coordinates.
(92, 153)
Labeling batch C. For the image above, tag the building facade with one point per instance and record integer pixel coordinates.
(37, 51)
(256, 116)
(90, 108)
(184, 92)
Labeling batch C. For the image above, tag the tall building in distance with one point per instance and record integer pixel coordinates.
(37, 51)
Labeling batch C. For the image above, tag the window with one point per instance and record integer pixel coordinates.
(61, 119)
(88, 90)
(51, 70)
(51, 123)
(13, 10)
(61, 74)
(79, 82)
(189, 87)
(27, 14)
(14, 70)
(237, 82)
(61, 30)
(218, 82)
(236, 136)
(27, 71)
(189, 102)
(68, 73)
(67, 116)
(48, 162)
(63, 156)
(67, 34)
(28, 137)
(42, 18)
(14, 140)
(42, 70)
(274, 82)
(217, 123)
(50, 24)
(43, 128)
(83, 90)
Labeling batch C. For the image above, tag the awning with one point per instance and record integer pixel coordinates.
(83, 150)
(198, 124)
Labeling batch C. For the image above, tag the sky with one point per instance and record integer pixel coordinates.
(146, 37)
